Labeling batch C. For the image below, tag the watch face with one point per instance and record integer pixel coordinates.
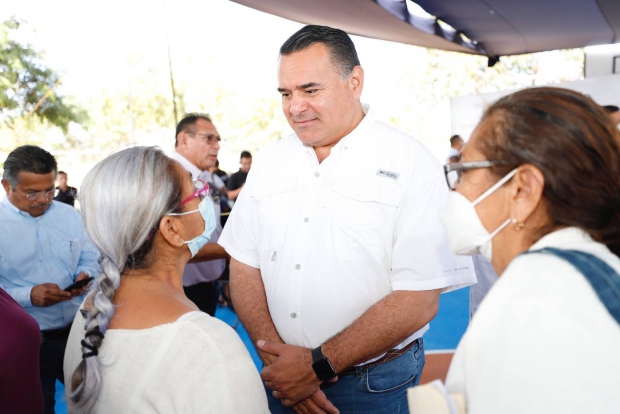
(323, 369)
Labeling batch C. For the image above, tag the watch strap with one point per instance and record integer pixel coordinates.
(317, 354)
(321, 365)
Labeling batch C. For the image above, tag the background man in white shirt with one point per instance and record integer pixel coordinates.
(197, 145)
(456, 144)
(339, 263)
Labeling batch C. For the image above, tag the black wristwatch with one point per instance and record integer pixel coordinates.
(322, 367)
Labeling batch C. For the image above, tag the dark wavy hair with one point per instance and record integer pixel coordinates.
(573, 142)
(341, 48)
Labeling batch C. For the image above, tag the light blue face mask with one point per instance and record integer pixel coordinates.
(208, 214)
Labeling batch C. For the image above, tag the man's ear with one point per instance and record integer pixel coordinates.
(170, 229)
(7, 186)
(181, 139)
(526, 192)
(356, 81)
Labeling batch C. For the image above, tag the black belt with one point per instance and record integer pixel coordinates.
(389, 356)
(56, 333)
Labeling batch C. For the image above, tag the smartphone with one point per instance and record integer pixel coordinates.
(79, 284)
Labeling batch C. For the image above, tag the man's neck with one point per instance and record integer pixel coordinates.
(324, 151)
(63, 188)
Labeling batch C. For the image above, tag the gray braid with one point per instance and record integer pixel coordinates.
(123, 199)
(86, 379)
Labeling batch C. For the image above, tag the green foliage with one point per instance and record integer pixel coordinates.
(24, 81)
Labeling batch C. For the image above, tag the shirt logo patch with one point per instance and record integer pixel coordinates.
(388, 174)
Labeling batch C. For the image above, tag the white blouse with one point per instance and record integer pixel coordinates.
(542, 341)
(196, 364)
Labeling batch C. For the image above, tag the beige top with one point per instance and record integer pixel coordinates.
(196, 364)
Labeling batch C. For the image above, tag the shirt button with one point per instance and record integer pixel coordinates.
(293, 315)
(297, 266)
(306, 219)
(316, 174)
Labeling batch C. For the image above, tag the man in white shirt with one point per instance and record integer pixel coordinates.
(338, 264)
(197, 145)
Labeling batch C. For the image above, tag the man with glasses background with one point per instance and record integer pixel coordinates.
(197, 145)
(43, 250)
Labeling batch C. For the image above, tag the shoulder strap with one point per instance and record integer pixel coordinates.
(603, 278)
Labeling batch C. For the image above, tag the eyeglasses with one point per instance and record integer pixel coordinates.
(210, 138)
(454, 171)
(202, 189)
(39, 194)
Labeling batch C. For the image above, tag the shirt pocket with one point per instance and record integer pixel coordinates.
(361, 217)
(67, 252)
(272, 203)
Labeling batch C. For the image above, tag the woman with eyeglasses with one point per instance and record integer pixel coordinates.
(538, 194)
(139, 345)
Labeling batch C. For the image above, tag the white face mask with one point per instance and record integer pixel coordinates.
(208, 215)
(467, 235)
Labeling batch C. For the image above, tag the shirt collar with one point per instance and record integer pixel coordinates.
(8, 203)
(193, 170)
(568, 236)
(358, 133)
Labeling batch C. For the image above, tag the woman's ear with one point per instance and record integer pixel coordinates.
(526, 192)
(170, 229)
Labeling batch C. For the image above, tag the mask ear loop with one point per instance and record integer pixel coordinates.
(495, 187)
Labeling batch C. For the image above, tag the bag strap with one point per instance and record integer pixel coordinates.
(603, 278)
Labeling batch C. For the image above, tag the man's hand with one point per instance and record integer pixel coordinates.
(48, 294)
(291, 375)
(317, 403)
(79, 292)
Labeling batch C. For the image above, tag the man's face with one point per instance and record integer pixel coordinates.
(62, 180)
(458, 144)
(195, 145)
(615, 117)
(320, 106)
(34, 192)
(246, 164)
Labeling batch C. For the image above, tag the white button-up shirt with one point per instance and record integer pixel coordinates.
(333, 238)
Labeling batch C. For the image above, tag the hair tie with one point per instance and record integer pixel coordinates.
(93, 349)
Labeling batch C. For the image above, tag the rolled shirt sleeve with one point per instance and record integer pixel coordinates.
(421, 258)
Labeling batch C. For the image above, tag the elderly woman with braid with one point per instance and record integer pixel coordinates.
(139, 345)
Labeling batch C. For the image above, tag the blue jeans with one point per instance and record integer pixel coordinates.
(379, 389)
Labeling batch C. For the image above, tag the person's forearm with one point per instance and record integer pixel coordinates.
(248, 296)
(383, 326)
(233, 194)
(210, 251)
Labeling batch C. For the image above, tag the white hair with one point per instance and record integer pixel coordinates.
(123, 198)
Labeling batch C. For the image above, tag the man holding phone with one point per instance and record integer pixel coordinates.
(44, 251)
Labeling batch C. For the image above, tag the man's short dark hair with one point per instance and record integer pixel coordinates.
(611, 109)
(245, 154)
(341, 47)
(61, 172)
(454, 139)
(28, 158)
(188, 121)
